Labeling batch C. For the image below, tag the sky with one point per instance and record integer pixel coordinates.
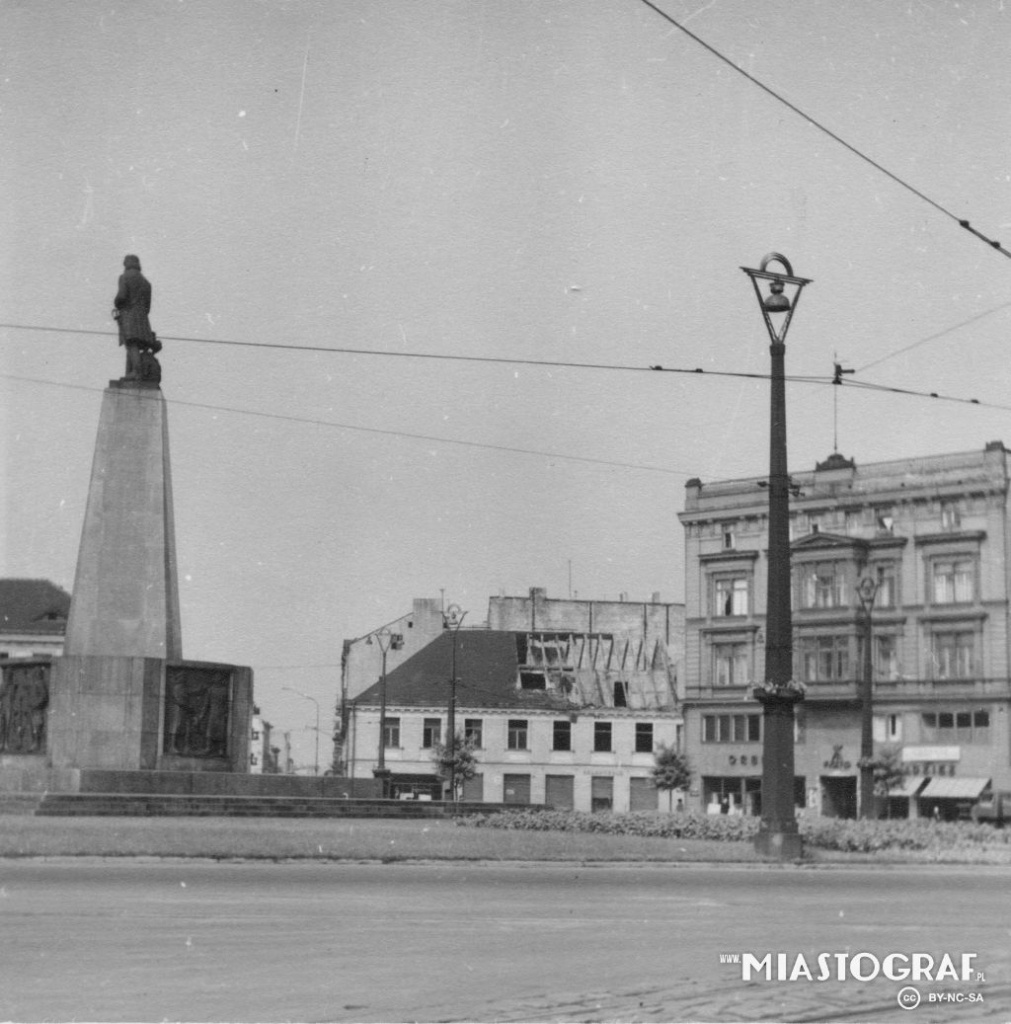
(553, 182)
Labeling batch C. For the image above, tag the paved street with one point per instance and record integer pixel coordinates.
(135, 940)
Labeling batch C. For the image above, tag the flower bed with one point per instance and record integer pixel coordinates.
(822, 833)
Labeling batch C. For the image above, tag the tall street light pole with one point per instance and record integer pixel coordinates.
(453, 619)
(778, 835)
(867, 591)
(306, 696)
(387, 640)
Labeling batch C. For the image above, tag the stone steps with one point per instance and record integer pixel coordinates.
(19, 803)
(165, 805)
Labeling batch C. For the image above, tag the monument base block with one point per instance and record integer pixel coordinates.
(779, 845)
(122, 713)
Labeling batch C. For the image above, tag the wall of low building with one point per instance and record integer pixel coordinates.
(643, 620)
(538, 762)
(362, 661)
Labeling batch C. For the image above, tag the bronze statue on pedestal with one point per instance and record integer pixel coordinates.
(132, 306)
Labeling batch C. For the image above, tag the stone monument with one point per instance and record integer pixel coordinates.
(121, 698)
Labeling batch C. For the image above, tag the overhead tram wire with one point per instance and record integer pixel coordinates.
(376, 430)
(822, 380)
(386, 353)
(828, 131)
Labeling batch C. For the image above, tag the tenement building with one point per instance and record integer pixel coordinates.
(563, 702)
(912, 554)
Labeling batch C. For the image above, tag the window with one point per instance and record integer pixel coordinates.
(730, 664)
(730, 595)
(953, 655)
(473, 733)
(644, 737)
(822, 585)
(601, 736)
(620, 694)
(517, 735)
(532, 680)
(887, 592)
(431, 732)
(952, 580)
(824, 659)
(886, 657)
(887, 728)
(729, 541)
(956, 726)
(731, 728)
(391, 733)
(950, 518)
(562, 735)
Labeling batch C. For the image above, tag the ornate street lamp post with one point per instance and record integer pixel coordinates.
(452, 619)
(778, 835)
(387, 641)
(867, 591)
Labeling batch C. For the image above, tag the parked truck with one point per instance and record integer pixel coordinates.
(994, 808)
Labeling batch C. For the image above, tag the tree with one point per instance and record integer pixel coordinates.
(671, 770)
(889, 773)
(461, 763)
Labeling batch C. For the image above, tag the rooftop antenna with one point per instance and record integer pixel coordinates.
(837, 377)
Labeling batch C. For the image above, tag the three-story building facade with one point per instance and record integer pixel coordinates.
(926, 540)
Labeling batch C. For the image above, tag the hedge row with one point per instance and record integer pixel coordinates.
(825, 833)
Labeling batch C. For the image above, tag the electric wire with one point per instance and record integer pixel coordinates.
(827, 131)
(506, 360)
(515, 450)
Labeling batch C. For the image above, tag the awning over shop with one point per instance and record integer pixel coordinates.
(911, 785)
(948, 788)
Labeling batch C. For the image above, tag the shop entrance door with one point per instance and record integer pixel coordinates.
(839, 796)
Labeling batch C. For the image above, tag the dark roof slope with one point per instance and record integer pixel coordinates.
(33, 606)
(487, 671)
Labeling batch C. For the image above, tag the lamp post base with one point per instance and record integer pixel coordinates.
(777, 845)
(382, 775)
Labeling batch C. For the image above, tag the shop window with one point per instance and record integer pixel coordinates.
(562, 735)
(643, 737)
(970, 726)
(731, 728)
(602, 736)
(431, 732)
(391, 732)
(517, 734)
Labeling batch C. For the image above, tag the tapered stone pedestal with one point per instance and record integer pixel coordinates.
(126, 591)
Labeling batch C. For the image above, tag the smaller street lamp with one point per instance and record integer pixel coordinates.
(452, 619)
(306, 696)
(867, 591)
(388, 641)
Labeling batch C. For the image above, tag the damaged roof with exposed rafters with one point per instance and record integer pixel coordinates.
(489, 668)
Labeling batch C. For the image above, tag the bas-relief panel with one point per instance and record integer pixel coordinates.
(197, 711)
(24, 698)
